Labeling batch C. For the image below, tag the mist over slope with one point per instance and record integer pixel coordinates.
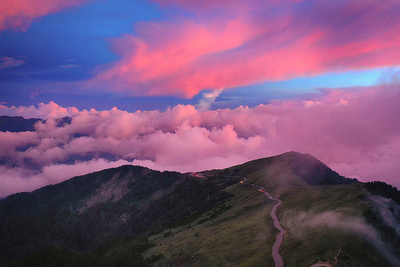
(210, 218)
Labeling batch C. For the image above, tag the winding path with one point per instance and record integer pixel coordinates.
(275, 249)
(279, 238)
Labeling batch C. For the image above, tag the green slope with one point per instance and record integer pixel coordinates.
(322, 218)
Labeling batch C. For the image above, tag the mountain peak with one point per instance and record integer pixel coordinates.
(313, 171)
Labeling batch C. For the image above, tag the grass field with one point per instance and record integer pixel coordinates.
(241, 236)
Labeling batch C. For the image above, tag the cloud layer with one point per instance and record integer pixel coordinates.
(43, 111)
(355, 131)
(252, 42)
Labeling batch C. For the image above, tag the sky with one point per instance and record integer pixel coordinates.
(194, 85)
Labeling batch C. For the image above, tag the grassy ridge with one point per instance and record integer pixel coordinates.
(327, 217)
(172, 219)
(241, 236)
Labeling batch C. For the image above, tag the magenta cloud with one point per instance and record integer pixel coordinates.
(246, 43)
(19, 14)
(355, 131)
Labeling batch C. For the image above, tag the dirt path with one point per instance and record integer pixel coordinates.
(279, 238)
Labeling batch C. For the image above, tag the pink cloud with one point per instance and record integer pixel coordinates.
(11, 141)
(19, 14)
(245, 46)
(43, 111)
(169, 48)
(353, 130)
(209, 5)
(8, 62)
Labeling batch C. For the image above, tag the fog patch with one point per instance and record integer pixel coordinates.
(297, 221)
(389, 211)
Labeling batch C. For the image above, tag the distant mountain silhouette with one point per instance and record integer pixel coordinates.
(20, 124)
(17, 124)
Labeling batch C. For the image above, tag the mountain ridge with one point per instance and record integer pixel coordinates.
(159, 215)
(17, 124)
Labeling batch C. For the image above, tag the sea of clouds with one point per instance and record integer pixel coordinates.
(354, 131)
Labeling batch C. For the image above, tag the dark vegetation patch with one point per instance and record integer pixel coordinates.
(123, 251)
(188, 201)
(383, 189)
(387, 231)
(376, 217)
(48, 221)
